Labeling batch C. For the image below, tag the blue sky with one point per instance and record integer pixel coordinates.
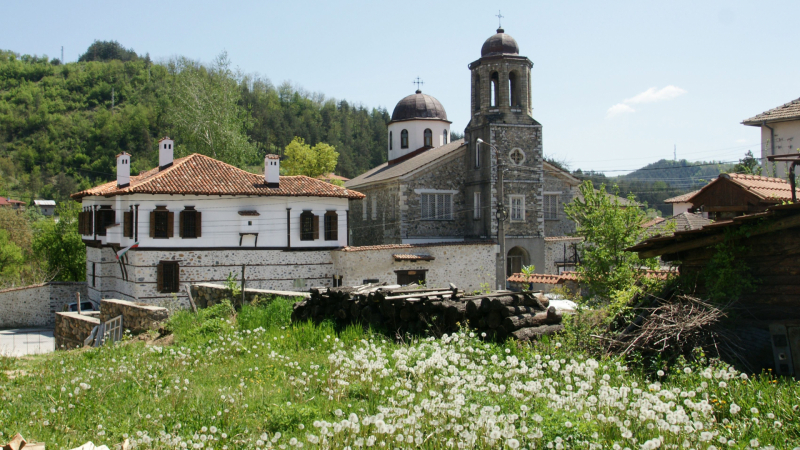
(615, 84)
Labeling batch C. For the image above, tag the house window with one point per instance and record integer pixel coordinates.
(517, 208)
(550, 206)
(190, 223)
(404, 139)
(331, 226)
(437, 206)
(168, 276)
(309, 226)
(428, 137)
(517, 156)
(476, 205)
(105, 216)
(445, 135)
(390, 140)
(364, 204)
(405, 277)
(127, 223)
(161, 223)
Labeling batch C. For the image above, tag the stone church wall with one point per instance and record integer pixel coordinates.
(562, 226)
(383, 212)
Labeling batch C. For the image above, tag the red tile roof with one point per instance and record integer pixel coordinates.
(652, 222)
(787, 111)
(7, 201)
(684, 198)
(541, 278)
(399, 246)
(401, 257)
(766, 188)
(200, 175)
(333, 176)
(563, 238)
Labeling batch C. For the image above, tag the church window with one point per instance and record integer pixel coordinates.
(476, 205)
(390, 140)
(436, 206)
(517, 156)
(513, 89)
(331, 226)
(476, 102)
(517, 207)
(477, 155)
(550, 206)
(374, 207)
(309, 226)
(364, 208)
(495, 86)
(445, 135)
(428, 137)
(404, 139)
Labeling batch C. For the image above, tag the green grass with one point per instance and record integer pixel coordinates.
(251, 372)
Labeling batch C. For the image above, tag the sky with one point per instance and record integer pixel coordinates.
(616, 85)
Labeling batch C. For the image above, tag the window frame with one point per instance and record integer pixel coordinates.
(476, 205)
(189, 217)
(309, 226)
(445, 136)
(442, 209)
(517, 151)
(550, 203)
(427, 138)
(521, 209)
(172, 285)
(477, 154)
(404, 139)
(390, 141)
(331, 225)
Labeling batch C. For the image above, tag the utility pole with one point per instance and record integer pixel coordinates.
(62, 54)
(675, 152)
(501, 214)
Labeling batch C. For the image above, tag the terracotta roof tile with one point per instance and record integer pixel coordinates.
(201, 175)
(563, 238)
(766, 188)
(541, 278)
(399, 246)
(7, 201)
(787, 111)
(683, 198)
(651, 222)
(408, 257)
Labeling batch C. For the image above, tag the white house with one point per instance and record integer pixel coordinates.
(681, 204)
(196, 219)
(780, 135)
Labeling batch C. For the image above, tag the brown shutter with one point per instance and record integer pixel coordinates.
(180, 226)
(160, 277)
(316, 227)
(80, 222)
(197, 224)
(170, 224)
(152, 224)
(334, 221)
(127, 228)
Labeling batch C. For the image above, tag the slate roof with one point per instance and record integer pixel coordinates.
(787, 111)
(201, 175)
(418, 106)
(387, 172)
(765, 188)
(684, 198)
(684, 221)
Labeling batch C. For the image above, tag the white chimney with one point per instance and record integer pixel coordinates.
(272, 170)
(123, 170)
(165, 152)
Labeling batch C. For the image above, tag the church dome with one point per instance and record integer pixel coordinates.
(500, 44)
(418, 106)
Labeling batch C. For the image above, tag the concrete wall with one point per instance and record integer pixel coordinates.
(787, 140)
(465, 265)
(36, 305)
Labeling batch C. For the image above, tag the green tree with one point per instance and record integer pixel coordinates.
(749, 165)
(608, 228)
(303, 159)
(60, 244)
(11, 257)
(107, 51)
(206, 112)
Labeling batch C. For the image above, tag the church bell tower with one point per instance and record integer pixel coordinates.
(501, 115)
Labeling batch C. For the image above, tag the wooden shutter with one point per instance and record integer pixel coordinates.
(197, 224)
(160, 277)
(80, 222)
(152, 224)
(180, 223)
(127, 224)
(170, 224)
(316, 227)
(331, 226)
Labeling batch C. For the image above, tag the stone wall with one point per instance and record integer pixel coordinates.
(135, 317)
(381, 223)
(207, 294)
(558, 249)
(566, 191)
(467, 265)
(36, 305)
(73, 328)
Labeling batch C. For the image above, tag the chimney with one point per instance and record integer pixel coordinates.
(165, 152)
(123, 170)
(272, 170)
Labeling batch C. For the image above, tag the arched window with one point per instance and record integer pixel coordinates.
(390, 140)
(404, 139)
(477, 155)
(495, 97)
(476, 102)
(445, 135)
(428, 138)
(513, 88)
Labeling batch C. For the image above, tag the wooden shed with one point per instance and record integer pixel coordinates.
(769, 317)
(734, 194)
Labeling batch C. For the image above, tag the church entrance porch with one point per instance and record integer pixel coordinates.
(523, 251)
(516, 259)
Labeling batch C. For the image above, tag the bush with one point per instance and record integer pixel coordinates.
(275, 313)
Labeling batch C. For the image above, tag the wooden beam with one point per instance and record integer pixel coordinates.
(725, 208)
(781, 224)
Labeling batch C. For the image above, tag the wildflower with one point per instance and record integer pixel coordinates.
(735, 408)
(512, 443)
(754, 410)
(660, 373)
(754, 443)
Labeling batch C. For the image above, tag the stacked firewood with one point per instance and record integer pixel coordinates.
(501, 314)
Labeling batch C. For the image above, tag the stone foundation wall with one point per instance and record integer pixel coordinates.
(36, 305)
(135, 317)
(207, 294)
(73, 328)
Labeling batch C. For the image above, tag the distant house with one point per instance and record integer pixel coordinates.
(45, 207)
(780, 133)
(332, 176)
(733, 194)
(684, 221)
(9, 203)
(681, 203)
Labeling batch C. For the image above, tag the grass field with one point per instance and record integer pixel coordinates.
(253, 380)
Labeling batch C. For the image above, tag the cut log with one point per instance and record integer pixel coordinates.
(535, 320)
(527, 334)
(517, 310)
(494, 319)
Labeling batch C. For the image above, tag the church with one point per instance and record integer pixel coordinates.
(435, 190)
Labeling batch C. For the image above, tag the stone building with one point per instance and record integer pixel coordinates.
(434, 190)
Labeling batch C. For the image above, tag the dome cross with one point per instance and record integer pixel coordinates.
(419, 83)
(499, 19)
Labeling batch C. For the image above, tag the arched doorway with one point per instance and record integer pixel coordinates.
(516, 259)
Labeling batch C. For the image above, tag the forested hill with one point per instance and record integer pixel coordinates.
(61, 125)
(680, 174)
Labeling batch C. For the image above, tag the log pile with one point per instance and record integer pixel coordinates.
(401, 310)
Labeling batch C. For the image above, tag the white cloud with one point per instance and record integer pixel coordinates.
(656, 95)
(619, 108)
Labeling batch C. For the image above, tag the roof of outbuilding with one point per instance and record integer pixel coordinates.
(198, 174)
(787, 111)
(418, 106)
(684, 221)
(683, 198)
(386, 172)
(9, 201)
(44, 202)
(765, 188)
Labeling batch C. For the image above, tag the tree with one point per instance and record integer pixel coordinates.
(608, 228)
(60, 244)
(11, 257)
(107, 51)
(302, 159)
(749, 165)
(206, 112)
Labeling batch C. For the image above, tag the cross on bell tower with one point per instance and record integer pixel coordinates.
(419, 83)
